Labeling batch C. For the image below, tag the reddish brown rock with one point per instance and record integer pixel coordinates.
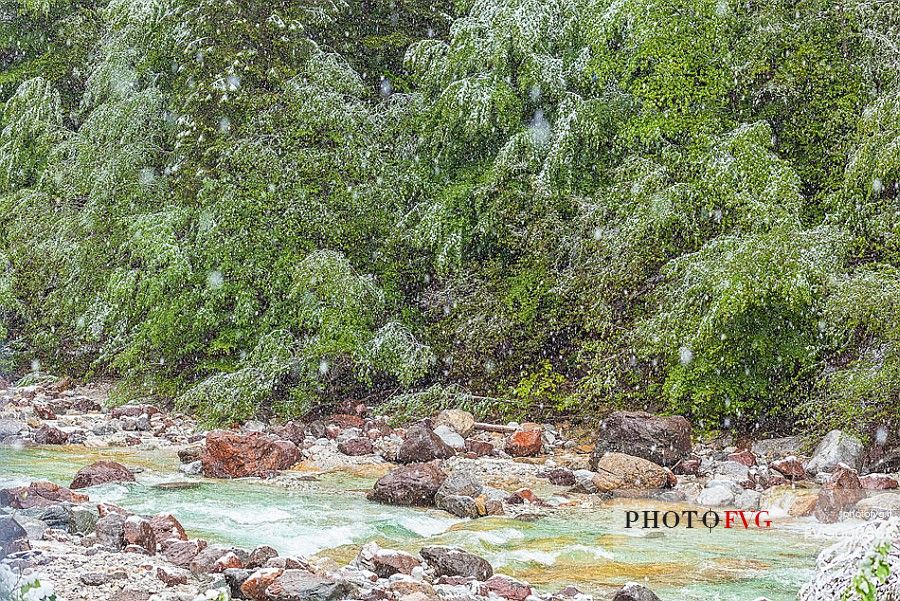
(664, 440)
(878, 482)
(255, 586)
(479, 448)
(138, 531)
(744, 457)
(422, 445)
(345, 420)
(260, 556)
(522, 495)
(38, 494)
(166, 527)
(50, 435)
(233, 455)
(86, 405)
(842, 490)
(133, 411)
(524, 443)
(101, 472)
(789, 467)
(687, 467)
(182, 553)
(227, 561)
(105, 509)
(387, 562)
(559, 476)
(414, 484)
(43, 411)
(170, 578)
(356, 447)
(205, 561)
(293, 431)
(508, 588)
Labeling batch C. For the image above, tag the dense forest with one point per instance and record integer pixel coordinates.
(521, 207)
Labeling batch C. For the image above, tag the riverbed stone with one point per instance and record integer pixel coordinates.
(414, 484)
(299, 585)
(878, 482)
(357, 446)
(421, 444)
(716, 496)
(836, 447)
(254, 587)
(58, 517)
(110, 531)
(13, 537)
(385, 562)
(840, 492)
(50, 435)
(632, 591)
(462, 422)
(101, 472)
(84, 519)
(182, 553)
(234, 455)
(138, 531)
(626, 474)
(789, 467)
(451, 438)
(38, 494)
(453, 561)
(880, 506)
(260, 555)
(508, 588)
(664, 440)
(524, 443)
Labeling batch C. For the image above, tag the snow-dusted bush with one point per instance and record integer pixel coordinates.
(18, 587)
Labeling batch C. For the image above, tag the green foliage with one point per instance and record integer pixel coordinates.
(516, 206)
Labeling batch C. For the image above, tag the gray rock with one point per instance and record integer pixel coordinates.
(84, 519)
(195, 468)
(749, 500)
(775, 448)
(58, 517)
(452, 561)
(462, 422)
(451, 438)
(633, 591)
(584, 481)
(11, 427)
(882, 506)
(459, 483)
(836, 448)
(715, 496)
(13, 537)
(460, 506)
(110, 531)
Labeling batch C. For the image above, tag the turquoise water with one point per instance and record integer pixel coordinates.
(586, 547)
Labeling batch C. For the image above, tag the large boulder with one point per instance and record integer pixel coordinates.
(842, 491)
(836, 448)
(414, 484)
(626, 474)
(13, 538)
(839, 565)
(452, 561)
(101, 472)
(462, 422)
(884, 505)
(524, 443)
(300, 585)
(422, 445)
(234, 455)
(38, 494)
(664, 440)
(138, 531)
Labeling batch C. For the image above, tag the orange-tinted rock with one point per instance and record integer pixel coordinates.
(138, 531)
(234, 455)
(744, 457)
(38, 494)
(255, 586)
(101, 472)
(524, 443)
(789, 467)
(479, 448)
(229, 560)
(842, 490)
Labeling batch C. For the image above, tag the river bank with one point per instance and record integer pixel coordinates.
(533, 517)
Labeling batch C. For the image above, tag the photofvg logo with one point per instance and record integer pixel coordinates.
(708, 519)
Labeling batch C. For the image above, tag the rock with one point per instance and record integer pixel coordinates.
(524, 443)
(414, 484)
(130, 595)
(790, 467)
(133, 411)
(748, 500)
(58, 517)
(462, 507)
(104, 509)
(584, 481)
(95, 578)
(44, 411)
(357, 446)
(508, 588)
(385, 562)
(229, 561)
(559, 476)
(878, 482)
(233, 455)
(345, 420)
(479, 448)
(803, 506)
(836, 448)
(101, 472)
(735, 472)
(84, 519)
(459, 483)
(110, 531)
(260, 556)
(461, 422)
(687, 467)
(452, 561)
(716, 496)
(11, 427)
(195, 468)
(880, 506)
(422, 445)
(841, 491)
(38, 494)
(838, 566)
(205, 561)
(624, 473)
(254, 587)
(633, 591)
(166, 527)
(191, 453)
(451, 438)
(182, 553)
(138, 531)
(13, 537)
(298, 585)
(50, 435)
(171, 578)
(744, 457)
(664, 440)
